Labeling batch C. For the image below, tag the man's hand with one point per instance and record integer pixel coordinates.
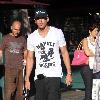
(68, 79)
(24, 62)
(27, 85)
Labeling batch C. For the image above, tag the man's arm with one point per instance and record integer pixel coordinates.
(66, 60)
(25, 54)
(25, 57)
(29, 66)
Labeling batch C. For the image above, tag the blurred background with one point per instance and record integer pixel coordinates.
(72, 16)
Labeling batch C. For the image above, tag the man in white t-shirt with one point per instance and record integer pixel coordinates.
(45, 43)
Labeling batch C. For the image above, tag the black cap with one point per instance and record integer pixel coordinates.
(40, 13)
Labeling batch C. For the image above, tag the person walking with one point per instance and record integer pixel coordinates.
(96, 68)
(89, 44)
(45, 43)
(14, 47)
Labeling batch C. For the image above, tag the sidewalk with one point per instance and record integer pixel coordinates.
(72, 95)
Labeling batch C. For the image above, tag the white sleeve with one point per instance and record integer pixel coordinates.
(30, 44)
(61, 39)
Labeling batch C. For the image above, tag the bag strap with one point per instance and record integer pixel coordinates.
(79, 47)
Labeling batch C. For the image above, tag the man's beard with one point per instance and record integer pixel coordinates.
(42, 28)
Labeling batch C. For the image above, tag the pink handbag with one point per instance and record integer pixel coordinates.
(80, 57)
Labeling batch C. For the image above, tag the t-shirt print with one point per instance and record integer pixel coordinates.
(14, 47)
(46, 51)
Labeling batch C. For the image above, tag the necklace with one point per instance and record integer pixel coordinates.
(92, 41)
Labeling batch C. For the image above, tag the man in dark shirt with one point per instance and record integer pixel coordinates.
(14, 47)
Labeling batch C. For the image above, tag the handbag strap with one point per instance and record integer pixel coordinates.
(79, 47)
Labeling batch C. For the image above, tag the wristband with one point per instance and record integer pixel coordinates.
(69, 73)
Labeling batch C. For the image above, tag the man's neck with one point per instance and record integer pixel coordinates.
(44, 31)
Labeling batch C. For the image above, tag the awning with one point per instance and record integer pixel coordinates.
(21, 2)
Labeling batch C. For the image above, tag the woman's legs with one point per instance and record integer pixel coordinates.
(87, 76)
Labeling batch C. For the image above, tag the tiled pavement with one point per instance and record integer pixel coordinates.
(70, 95)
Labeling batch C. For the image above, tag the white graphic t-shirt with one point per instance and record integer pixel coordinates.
(46, 50)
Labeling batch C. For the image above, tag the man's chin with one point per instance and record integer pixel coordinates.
(42, 28)
(17, 35)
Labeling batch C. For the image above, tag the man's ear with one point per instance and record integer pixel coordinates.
(47, 19)
(35, 21)
(11, 27)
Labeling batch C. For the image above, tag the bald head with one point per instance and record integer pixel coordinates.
(16, 23)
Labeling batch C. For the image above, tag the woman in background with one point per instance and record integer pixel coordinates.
(88, 45)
